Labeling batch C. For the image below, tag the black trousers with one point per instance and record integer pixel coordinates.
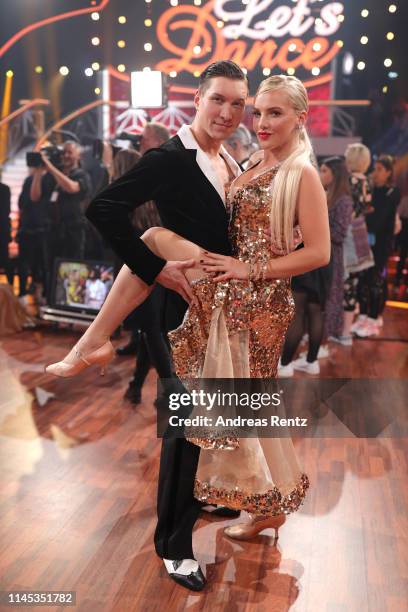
(177, 509)
(33, 258)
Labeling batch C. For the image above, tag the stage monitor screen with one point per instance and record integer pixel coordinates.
(81, 285)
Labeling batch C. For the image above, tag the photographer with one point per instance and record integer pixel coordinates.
(72, 186)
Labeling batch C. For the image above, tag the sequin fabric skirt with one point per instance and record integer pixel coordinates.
(237, 331)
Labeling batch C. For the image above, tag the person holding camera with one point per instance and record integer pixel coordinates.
(72, 186)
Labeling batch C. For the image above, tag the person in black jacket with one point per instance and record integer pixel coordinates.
(32, 235)
(71, 187)
(187, 180)
(5, 229)
(380, 225)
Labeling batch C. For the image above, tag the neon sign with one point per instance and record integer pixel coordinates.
(247, 36)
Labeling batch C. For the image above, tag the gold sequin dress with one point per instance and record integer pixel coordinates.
(237, 331)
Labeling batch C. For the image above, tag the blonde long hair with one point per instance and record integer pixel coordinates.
(287, 179)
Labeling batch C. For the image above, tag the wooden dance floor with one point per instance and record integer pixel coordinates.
(78, 490)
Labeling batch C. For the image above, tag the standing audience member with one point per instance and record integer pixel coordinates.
(152, 348)
(239, 145)
(32, 237)
(402, 239)
(381, 225)
(357, 251)
(319, 294)
(5, 230)
(153, 136)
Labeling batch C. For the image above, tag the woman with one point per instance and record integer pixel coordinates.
(335, 179)
(319, 294)
(242, 305)
(380, 225)
(357, 252)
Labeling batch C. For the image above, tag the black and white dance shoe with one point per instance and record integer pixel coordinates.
(186, 572)
(221, 511)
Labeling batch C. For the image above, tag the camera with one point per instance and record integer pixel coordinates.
(54, 154)
(135, 139)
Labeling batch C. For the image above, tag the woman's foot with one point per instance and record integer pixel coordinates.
(80, 358)
(247, 531)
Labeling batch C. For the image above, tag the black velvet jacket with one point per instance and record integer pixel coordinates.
(187, 202)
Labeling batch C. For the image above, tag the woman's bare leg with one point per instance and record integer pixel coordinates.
(129, 291)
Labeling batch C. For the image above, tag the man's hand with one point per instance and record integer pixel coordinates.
(172, 276)
(225, 267)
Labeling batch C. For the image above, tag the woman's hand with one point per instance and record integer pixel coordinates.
(224, 267)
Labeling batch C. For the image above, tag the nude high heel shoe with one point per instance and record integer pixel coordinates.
(101, 357)
(247, 531)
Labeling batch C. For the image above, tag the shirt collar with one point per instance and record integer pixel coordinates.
(204, 162)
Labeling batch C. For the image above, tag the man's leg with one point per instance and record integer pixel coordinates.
(177, 509)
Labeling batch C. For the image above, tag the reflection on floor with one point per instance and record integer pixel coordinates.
(78, 472)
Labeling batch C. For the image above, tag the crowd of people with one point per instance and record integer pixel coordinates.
(346, 298)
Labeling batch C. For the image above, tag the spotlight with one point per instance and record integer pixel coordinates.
(361, 65)
(148, 23)
(292, 47)
(38, 69)
(122, 19)
(220, 24)
(385, 89)
(88, 72)
(364, 40)
(9, 74)
(121, 44)
(291, 71)
(390, 36)
(393, 75)
(147, 87)
(197, 2)
(148, 47)
(96, 41)
(340, 43)
(197, 49)
(174, 2)
(95, 16)
(317, 46)
(392, 8)
(315, 71)
(173, 74)
(348, 63)
(266, 71)
(64, 70)
(97, 90)
(340, 18)
(365, 13)
(95, 66)
(196, 73)
(387, 62)
(122, 68)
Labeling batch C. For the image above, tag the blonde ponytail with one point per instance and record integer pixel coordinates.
(287, 179)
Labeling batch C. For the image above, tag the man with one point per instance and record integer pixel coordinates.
(239, 145)
(5, 231)
(153, 136)
(187, 177)
(72, 186)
